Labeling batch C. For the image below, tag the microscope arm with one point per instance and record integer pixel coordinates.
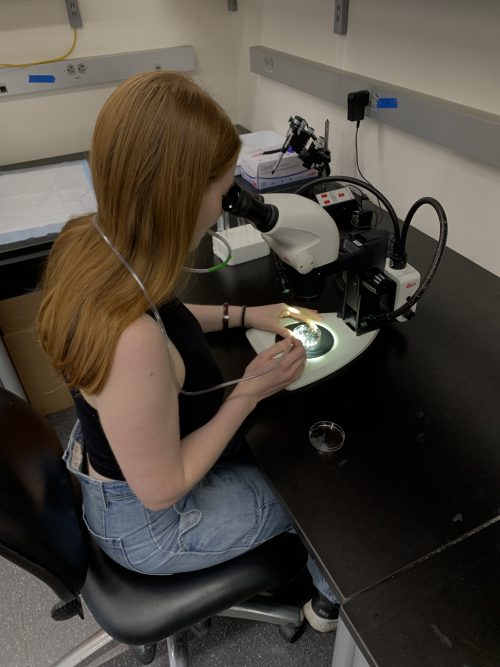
(305, 236)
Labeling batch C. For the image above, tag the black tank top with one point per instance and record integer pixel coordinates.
(202, 372)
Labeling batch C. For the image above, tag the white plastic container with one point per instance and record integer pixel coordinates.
(265, 140)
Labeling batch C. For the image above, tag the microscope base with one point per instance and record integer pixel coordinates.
(346, 347)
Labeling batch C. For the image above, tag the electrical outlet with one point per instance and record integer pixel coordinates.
(3, 88)
(74, 16)
(269, 64)
(77, 70)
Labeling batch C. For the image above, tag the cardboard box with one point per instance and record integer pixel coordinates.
(42, 384)
(256, 167)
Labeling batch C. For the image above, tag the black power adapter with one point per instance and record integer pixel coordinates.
(356, 104)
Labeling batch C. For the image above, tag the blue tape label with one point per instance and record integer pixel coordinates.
(387, 103)
(41, 78)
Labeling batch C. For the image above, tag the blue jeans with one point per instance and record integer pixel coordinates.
(230, 511)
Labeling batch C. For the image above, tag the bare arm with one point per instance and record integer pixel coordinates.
(138, 408)
(268, 317)
(210, 317)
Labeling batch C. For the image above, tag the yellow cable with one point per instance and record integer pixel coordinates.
(43, 62)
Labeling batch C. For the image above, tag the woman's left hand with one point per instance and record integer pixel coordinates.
(268, 318)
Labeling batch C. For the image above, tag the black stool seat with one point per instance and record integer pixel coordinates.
(164, 605)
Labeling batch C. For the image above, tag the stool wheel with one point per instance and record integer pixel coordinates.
(145, 654)
(202, 629)
(291, 633)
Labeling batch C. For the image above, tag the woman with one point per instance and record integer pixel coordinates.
(162, 491)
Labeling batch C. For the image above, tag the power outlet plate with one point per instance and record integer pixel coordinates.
(74, 16)
(77, 72)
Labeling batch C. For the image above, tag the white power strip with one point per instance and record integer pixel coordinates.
(245, 241)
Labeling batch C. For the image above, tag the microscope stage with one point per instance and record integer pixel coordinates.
(346, 347)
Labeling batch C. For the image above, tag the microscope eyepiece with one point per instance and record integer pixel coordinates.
(241, 203)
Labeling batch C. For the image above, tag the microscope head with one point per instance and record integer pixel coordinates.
(300, 232)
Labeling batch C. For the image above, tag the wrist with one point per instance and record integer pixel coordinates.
(225, 316)
(242, 317)
(233, 316)
(243, 397)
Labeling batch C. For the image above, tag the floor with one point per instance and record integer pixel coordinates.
(30, 638)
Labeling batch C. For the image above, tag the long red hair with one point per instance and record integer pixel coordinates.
(159, 141)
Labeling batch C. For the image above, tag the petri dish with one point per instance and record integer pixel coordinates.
(326, 436)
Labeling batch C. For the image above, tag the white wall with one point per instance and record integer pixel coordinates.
(443, 48)
(38, 126)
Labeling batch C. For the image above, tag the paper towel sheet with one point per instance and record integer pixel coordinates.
(39, 201)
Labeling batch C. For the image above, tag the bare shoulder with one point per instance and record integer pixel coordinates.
(140, 336)
(141, 365)
(141, 349)
(140, 346)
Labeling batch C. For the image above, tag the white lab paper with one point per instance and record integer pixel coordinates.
(39, 201)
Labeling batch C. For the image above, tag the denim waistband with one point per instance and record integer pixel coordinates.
(103, 489)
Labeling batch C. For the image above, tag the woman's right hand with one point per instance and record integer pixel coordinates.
(288, 367)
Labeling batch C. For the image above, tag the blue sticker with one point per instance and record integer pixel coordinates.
(387, 103)
(41, 78)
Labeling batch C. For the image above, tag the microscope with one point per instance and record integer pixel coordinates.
(311, 245)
